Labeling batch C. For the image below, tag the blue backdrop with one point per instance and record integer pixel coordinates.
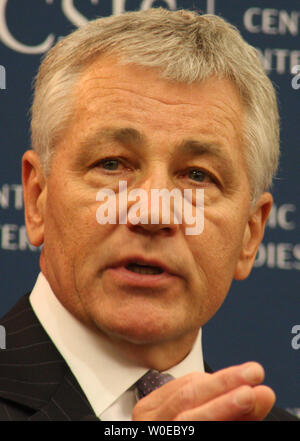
(260, 319)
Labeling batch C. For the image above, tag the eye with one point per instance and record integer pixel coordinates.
(197, 175)
(110, 164)
(200, 175)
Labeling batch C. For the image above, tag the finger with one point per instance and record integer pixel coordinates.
(242, 404)
(251, 373)
(265, 400)
(195, 389)
(200, 390)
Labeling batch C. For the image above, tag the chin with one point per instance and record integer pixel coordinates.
(139, 334)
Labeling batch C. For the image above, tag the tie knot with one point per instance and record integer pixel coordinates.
(151, 381)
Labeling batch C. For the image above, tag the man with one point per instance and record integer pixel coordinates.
(158, 100)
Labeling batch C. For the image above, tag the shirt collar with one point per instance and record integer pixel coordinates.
(102, 372)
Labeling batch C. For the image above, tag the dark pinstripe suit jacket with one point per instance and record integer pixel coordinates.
(35, 382)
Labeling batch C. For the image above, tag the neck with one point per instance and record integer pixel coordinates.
(160, 356)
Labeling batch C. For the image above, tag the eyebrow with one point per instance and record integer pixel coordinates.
(123, 135)
(129, 136)
(193, 148)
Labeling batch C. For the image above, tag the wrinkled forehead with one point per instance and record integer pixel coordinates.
(109, 88)
(109, 68)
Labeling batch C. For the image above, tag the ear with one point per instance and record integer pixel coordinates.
(253, 235)
(34, 188)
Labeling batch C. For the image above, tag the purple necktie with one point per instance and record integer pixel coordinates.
(151, 381)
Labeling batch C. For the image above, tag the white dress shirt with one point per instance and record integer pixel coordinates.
(106, 377)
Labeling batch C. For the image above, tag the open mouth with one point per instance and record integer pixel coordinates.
(144, 269)
(141, 273)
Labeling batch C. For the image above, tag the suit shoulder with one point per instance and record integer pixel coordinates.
(11, 411)
(278, 414)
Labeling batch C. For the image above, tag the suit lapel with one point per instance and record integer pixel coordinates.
(33, 373)
(68, 403)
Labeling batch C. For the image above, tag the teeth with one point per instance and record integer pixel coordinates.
(144, 269)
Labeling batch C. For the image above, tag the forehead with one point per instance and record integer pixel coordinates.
(135, 96)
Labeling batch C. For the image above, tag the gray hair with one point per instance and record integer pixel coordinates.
(186, 47)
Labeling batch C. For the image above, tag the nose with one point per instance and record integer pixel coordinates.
(154, 207)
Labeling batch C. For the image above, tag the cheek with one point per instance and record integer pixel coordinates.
(71, 206)
(74, 240)
(67, 222)
(217, 249)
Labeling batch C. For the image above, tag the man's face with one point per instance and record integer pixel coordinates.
(129, 124)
